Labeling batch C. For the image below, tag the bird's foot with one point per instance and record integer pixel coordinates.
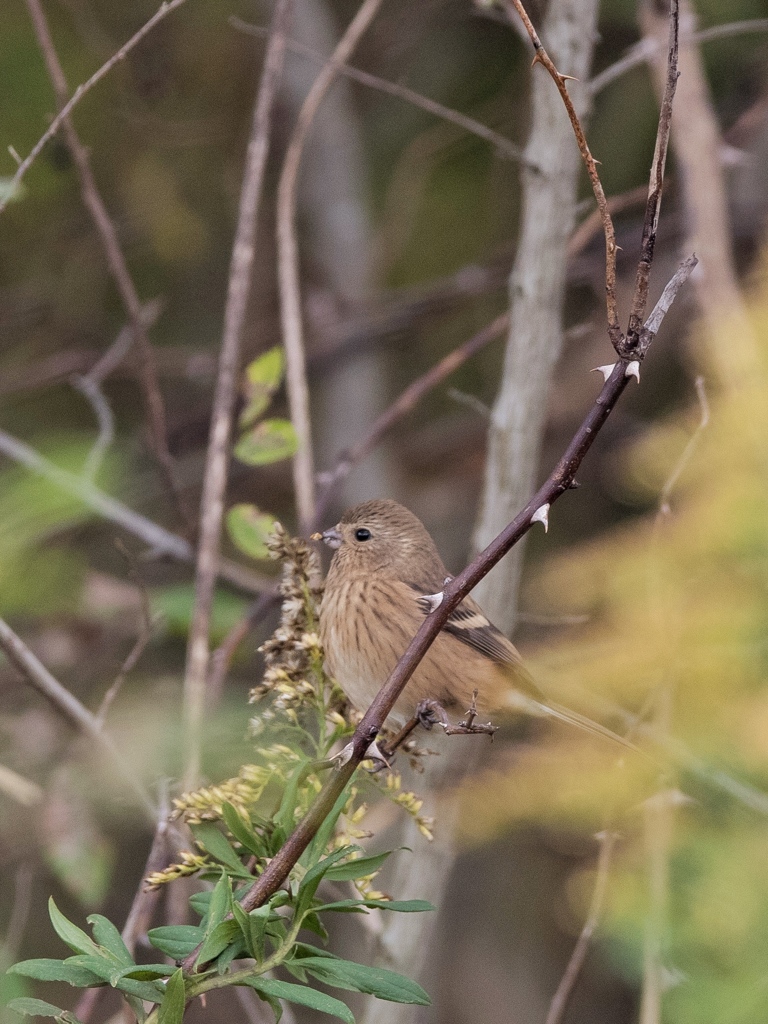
(432, 712)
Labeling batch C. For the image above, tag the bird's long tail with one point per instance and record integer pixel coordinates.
(539, 708)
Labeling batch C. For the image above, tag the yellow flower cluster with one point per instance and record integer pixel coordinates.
(190, 864)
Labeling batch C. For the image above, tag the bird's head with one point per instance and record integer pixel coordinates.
(384, 536)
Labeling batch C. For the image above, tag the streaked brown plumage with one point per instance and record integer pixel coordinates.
(384, 569)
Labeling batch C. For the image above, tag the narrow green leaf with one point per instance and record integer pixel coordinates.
(263, 377)
(217, 940)
(34, 1007)
(250, 529)
(286, 814)
(107, 935)
(359, 868)
(69, 933)
(374, 981)
(303, 996)
(267, 442)
(56, 970)
(397, 906)
(176, 940)
(221, 903)
(242, 830)
(146, 972)
(214, 842)
(316, 874)
(316, 848)
(108, 971)
(171, 1009)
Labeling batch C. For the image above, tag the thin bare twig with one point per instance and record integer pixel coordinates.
(116, 262)
(141, 642)
(543, 58)
(568, 981)
(216, 464)
(165, 9)
(655, 187)
(647, 49)
(77, 714)
(685, 457)
(161, 541)
(288, 265)
(505, 148)
(105, 419)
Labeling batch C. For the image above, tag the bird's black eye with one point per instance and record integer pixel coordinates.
(362, 534)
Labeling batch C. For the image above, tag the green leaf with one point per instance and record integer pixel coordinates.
(326, 830)
(171, 1009)
(398, 906)
(56, 970)
(107, 936)
(303, 996)
(69, 933)
(34, 1007)
(263, 377)
(267, 442)
(108, 971)
(242, 830)
(221, 902)
(254, 928)
(175, 603)
(359, 868)
(250, 529)
(146, 972)
(213, 841)
(315, 875)
(176, 940)
(374, 981)
(217, 940)
(285, 817)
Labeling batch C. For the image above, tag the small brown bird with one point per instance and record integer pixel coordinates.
(385, 577)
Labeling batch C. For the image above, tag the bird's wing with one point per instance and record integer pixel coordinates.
(469, 624)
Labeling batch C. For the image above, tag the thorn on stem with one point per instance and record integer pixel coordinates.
(541, 515)
(633, 370)
(606, 370)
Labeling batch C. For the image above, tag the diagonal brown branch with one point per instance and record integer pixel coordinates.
(216, 465)
(108, 234)
(288, 264)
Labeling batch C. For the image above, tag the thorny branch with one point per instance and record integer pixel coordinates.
(543, 58)
(116, 262)
(288, 264)
(653, 207)
(217, 456)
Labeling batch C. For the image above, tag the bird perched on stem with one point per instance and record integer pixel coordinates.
(385, 576)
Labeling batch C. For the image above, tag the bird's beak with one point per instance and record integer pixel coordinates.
(330, 537)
